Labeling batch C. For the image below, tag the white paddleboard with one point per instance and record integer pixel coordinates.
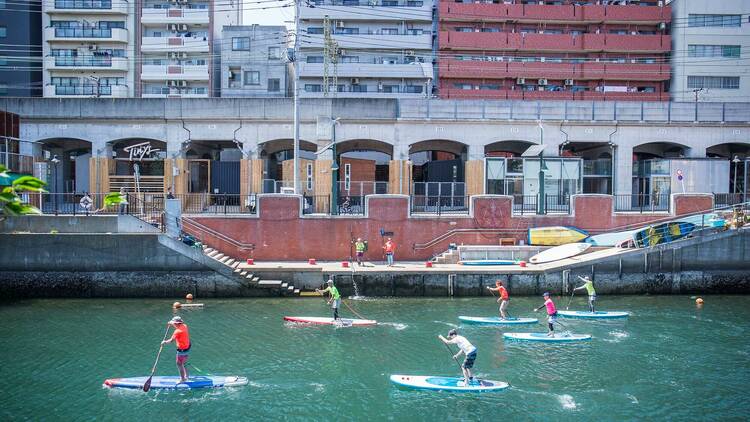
(497, 320)
(559, 252)
(542, 337)
(610, 239)
(594, 315)
(455, 384)
(345, 322)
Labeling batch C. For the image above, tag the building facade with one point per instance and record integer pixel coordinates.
(376, 49)
(563, 49)
(710, 58)
(254, 62)
(155, 48)
(21, 35)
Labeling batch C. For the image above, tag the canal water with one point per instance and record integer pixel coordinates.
(670, 360)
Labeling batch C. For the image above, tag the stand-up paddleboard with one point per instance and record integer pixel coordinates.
(662, 233)
(456, 384)
(478, 262)
(610, 239)
(173, 382)
(559, 252)
(344, 322)
(593, 315)
(555, 236)
(191, 305)
(497, 320)
(542, 337)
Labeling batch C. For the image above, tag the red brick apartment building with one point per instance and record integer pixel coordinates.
(554, 49)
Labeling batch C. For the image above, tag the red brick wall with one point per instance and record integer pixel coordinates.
(279, 234)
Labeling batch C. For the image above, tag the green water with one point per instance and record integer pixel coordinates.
(668, 361)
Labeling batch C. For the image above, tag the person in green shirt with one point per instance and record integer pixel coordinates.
(589, 286)
(360, 247)
(334, 299)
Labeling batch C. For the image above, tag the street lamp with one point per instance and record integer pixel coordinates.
(736, 162)
(55, 161)
(334, 170)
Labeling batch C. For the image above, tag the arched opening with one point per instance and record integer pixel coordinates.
(278, 164)
(738, 155)
(363, 168)
(138, 165)
(214, 167)
(655, 167)
(597, 164)
(438, 167)
(67, 164)
(507, 149)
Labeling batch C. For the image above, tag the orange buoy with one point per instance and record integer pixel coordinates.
(176, 305)
(522, 264)
(311, 261)
(428, 264)
(189, 296)
(345, 264)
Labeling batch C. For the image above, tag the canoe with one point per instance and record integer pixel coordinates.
(610, 239)
(497, 320)
(662, 233)
(559, 252)
(455, 384)
(542, 337)
(345, 322)
(478, 262)
(555, 235)
(594, 315)
(172, 382)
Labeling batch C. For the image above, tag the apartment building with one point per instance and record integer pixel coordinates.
(554, 49)
(710, 57)
(21, 36)
(124, 48)
(254, 62)
(380, 49)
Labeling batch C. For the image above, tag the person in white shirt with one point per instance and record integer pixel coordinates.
(464, 347)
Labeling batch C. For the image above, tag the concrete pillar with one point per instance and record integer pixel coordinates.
(623, 171)
(399, 177)
(251, 177)
(176, 175)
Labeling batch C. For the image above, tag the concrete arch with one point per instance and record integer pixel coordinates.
(729, 150)
(663, 149)
(352, 145)
(274, 146)
(512, 147)
(64, 143)
(442, 145)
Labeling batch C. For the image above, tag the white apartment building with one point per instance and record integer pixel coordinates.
(88, 48)
(385, 48)
(124, 48)
(711, 50)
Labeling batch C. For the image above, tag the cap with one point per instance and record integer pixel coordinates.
(330, 281)
(498, 283)
(176, 320)
(546, 294)
(452, 332)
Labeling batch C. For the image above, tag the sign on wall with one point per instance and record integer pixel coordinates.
(138, 152)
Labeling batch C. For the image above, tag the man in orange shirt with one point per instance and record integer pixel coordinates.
(181, 337)
(390, 248)
(503, 299)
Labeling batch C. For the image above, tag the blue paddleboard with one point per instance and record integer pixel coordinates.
(456, 384)
(497, 320)
(542, 337)
(172, 382)
(480, 262)
(593, 315)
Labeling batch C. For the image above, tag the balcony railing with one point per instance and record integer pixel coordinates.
(440, 205)
(83, 32)
(83, 4)
(642, 203)
(84, 61)
(17, 162)
(83, 90)
(452, 11)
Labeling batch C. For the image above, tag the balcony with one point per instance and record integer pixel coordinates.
(367, 12)
(627, 43)
(178, 93)
(86, 91)
(86, 35)
(366, 41)
(371, 94)
(88, 7)
(179, 44)
(504, 94)
(176, 16)
(370, 70)
(174, 72)
(86, 63)
(504, 41)
(467, 12)
(626, 71)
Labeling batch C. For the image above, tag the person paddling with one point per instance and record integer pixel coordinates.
(181, 337)
(551, 313)
(503, 299)
(335, 298)
(589, 286)
(464, 347)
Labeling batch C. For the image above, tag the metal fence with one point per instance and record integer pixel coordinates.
(553, 204)
(725, 199)
(641, 203)
(439, 205)
(207, 203)
(360, 188)
(321, 204)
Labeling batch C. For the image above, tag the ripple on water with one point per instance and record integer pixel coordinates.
(617, 336)
(567, 402)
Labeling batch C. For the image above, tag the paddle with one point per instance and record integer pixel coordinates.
(494, 295)
(147, 384)
(454, 358)
(571, 299)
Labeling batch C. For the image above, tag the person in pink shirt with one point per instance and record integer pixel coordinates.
(551, 313)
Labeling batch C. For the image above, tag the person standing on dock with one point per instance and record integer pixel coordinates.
(503, 299)
(335, 298)
(464, 347)
(589, 286)
(551, 313)
(389, 248)
(359, 247)
(181, 337)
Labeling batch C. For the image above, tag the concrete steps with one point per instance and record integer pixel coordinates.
(247, 278)
(450, 256)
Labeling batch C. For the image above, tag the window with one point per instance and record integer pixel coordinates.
(492, 87)
(3, 89)
(414, 3)
(252, 77)
(358, 88)
(390, 3)
(241, 43)
(315, 30)
(313, 88)
(390, 89)
(348, 31)
(3, 31)
(696, 21)
(309, 175)
(413, 89)
(713, 50)
(347, 176)
(349, 59)
(274, 53)
(315, 59)
(463, 86)
(274, 85)
(415, 31)
(718, 82)
(464, 29)
(389, 31)
(490, 30)
(234, 77)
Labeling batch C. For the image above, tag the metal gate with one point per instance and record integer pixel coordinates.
(225, 177)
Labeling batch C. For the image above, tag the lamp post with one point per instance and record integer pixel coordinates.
(55, 161)
(736, 161)
(540, 206)
(334, 171)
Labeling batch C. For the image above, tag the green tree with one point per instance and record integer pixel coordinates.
(11, 202)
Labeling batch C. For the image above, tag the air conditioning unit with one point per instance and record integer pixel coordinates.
(183, 83)
(173, 55)
(409, 53)
(663, 26)
(172, 83)
(568, 82)
(521, 81)
(184, 55)
(93, 47)
(355, 81)
(542, 82)
(342, 52)
(183, 27)
(340, 24)
(230, 74)
(172, 26)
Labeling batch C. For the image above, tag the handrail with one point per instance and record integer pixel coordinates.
(234, 242)
(450, 233)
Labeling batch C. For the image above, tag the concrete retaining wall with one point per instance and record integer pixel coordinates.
(75, 224)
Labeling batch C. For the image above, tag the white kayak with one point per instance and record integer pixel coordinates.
(344, 322)
(497, 320)
(438, 383)
(558, 338)
(593, 315)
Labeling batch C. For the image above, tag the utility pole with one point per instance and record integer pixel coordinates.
(541, 205)
(296, 97)
(695, 92)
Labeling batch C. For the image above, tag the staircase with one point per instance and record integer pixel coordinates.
(247, 278)
(450, 256)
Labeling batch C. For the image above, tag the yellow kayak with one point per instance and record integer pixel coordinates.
(555, 236)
